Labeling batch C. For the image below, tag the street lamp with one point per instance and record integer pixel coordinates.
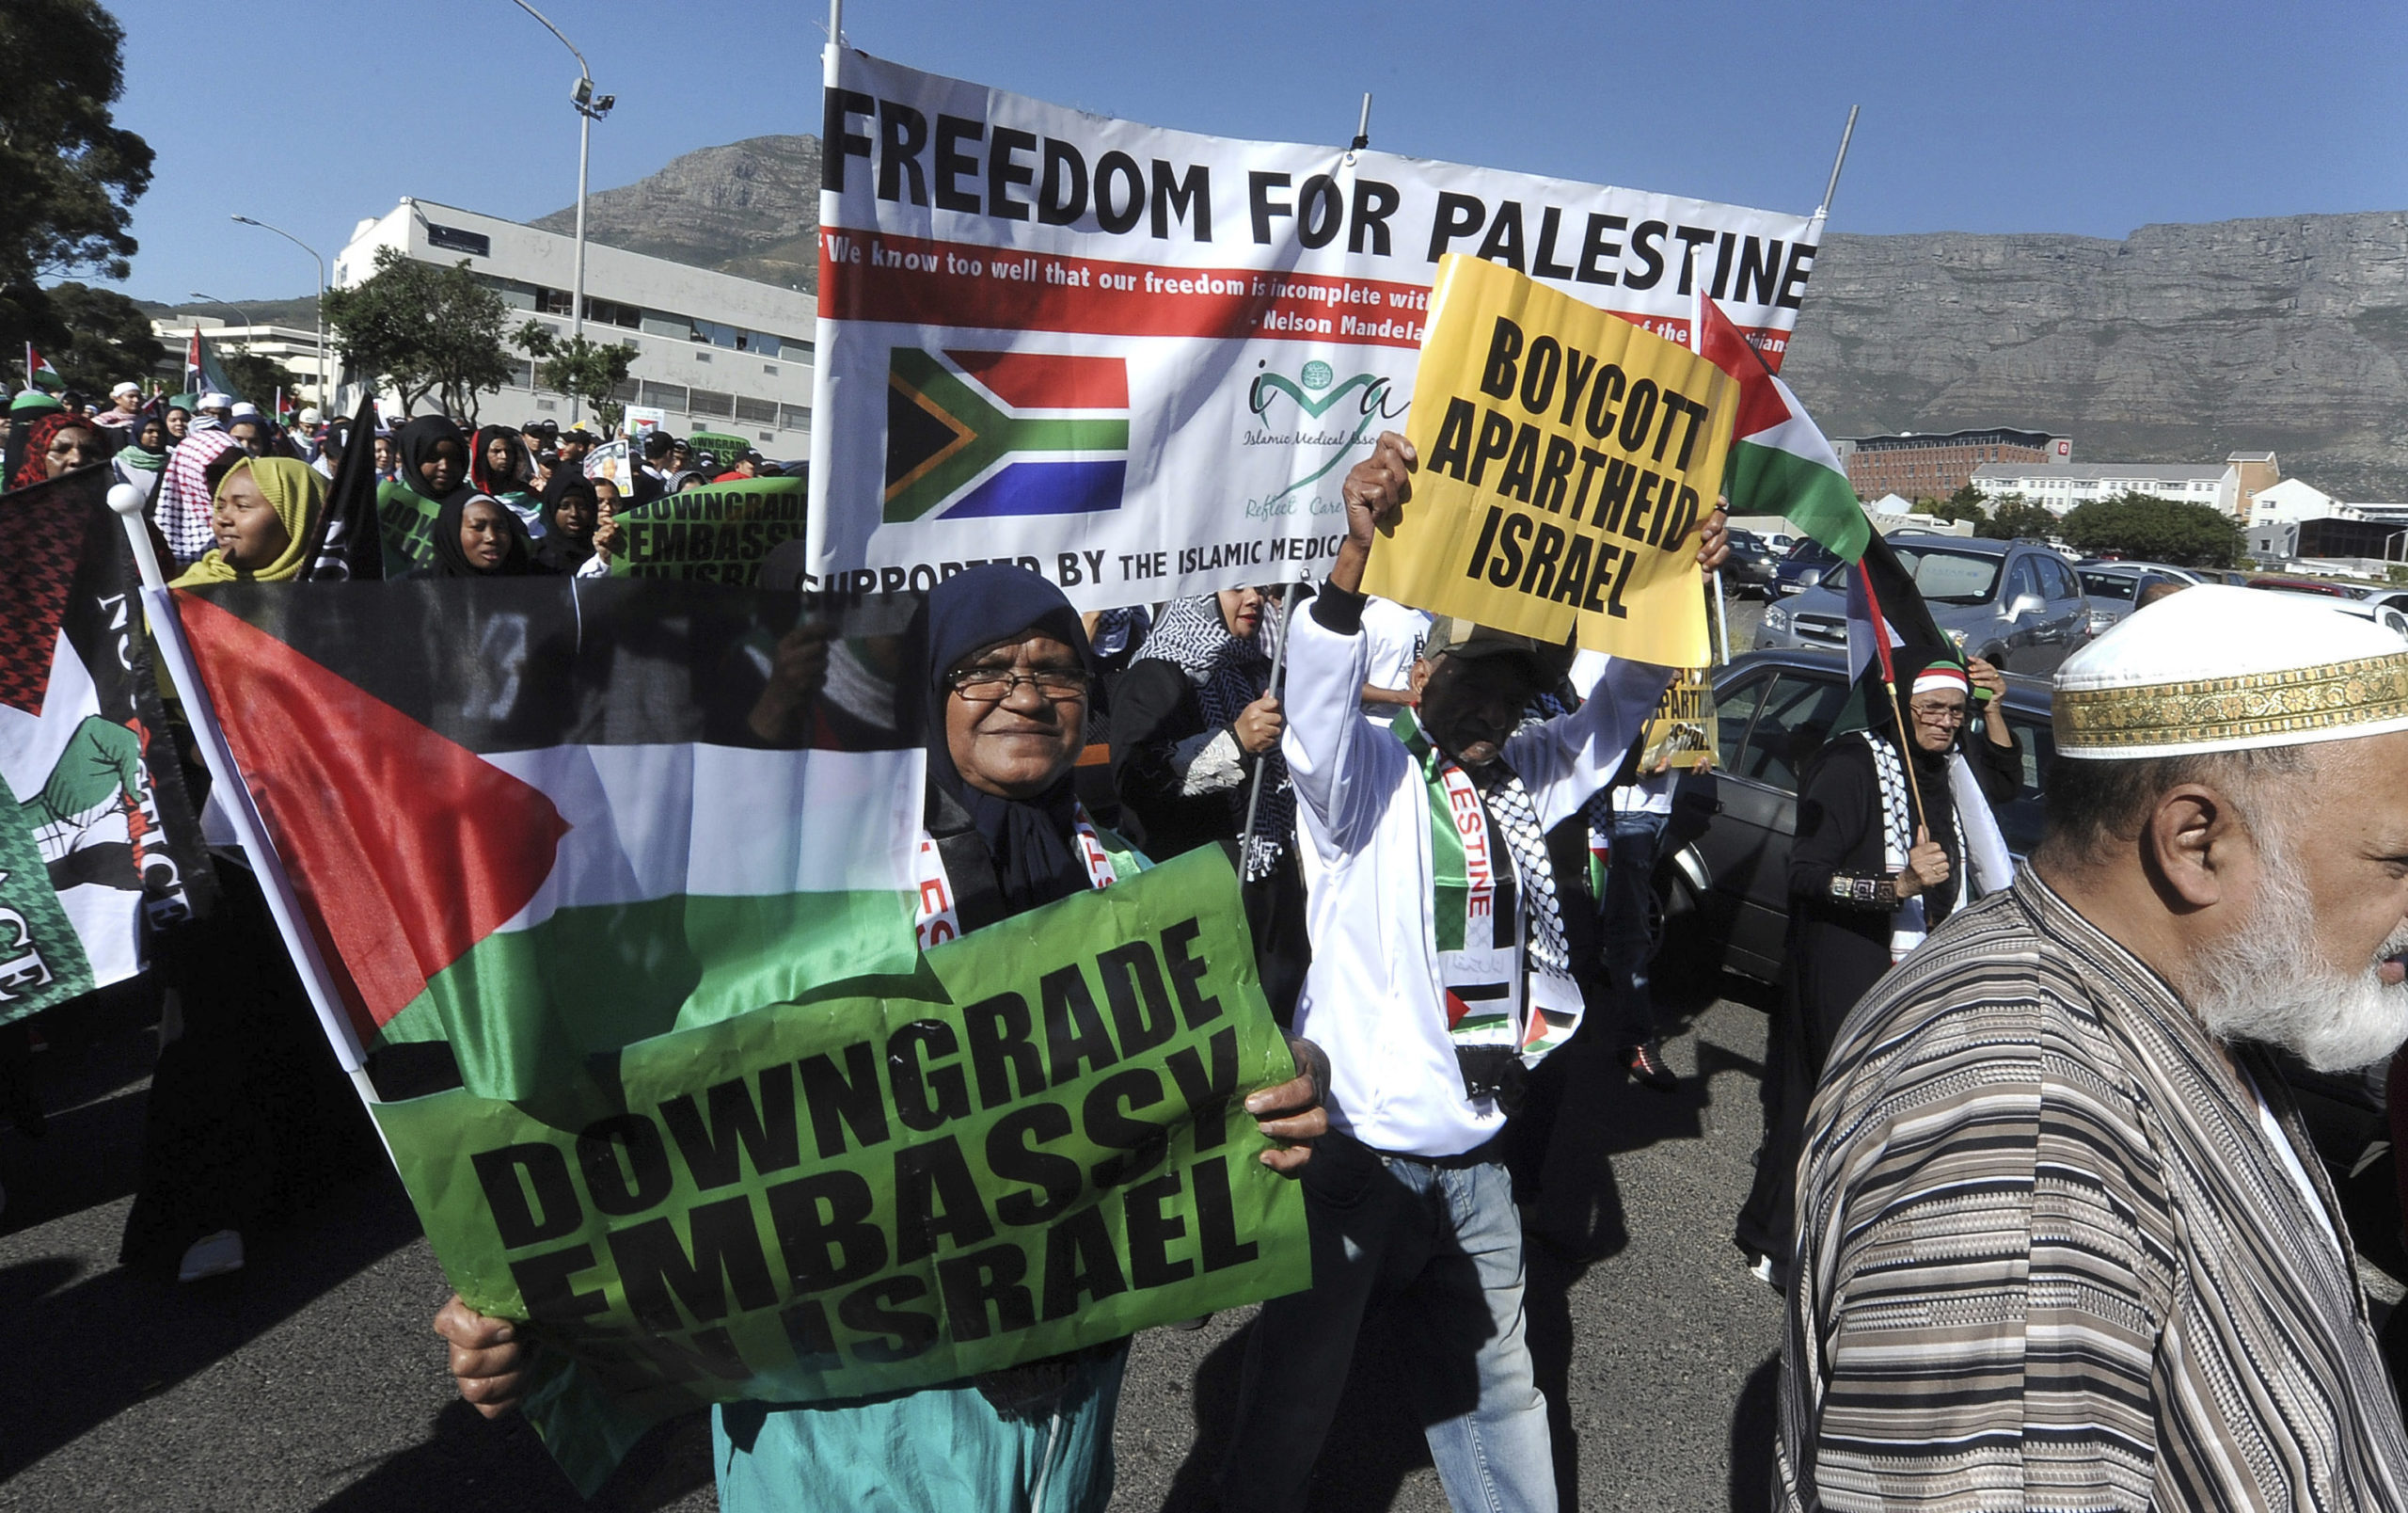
(591, 108)
(325, 395)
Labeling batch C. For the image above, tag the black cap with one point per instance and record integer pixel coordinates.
(1457, 637)
(658, 444)
(540, 428)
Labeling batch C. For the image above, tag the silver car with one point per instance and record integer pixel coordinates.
(2014, 604)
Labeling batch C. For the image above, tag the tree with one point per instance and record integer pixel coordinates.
(68, 175)
(2018, 518)
(582, 369)
(103, 339)
(1959, 507)
(424, 331)
(2156, 530)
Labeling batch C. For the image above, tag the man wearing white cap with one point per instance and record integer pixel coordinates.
(125, 402)
(2062, 1239)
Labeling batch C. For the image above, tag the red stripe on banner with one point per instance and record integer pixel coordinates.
(910, 280)
(404, 847)
(1050, 380)
(873, 277)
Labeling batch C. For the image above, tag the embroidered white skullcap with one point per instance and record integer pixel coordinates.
(2216, 668)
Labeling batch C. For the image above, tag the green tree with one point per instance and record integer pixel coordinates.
(104, 339)
(582, 369)
(2018, 518)
(1956, 507)
(255, 377)
(68, 175)
(2157, 530)
(424, 330)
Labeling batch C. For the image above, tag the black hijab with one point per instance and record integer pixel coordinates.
(518, 560)
(522, 467)
(558, 550)
(416, 442)
(1030, 840)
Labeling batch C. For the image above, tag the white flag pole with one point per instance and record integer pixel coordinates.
(824, 381)
(1278, 666)
(228, 789)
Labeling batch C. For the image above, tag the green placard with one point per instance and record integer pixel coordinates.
(716, 533)
(1036, 1145)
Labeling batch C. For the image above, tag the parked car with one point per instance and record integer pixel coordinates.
(2393, 618)
(1723, 899)
(2114, 588)
(1751, 566)
(2303, 585)
(2013, 603)
(1802, 568)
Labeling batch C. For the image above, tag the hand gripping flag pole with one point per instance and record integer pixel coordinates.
(1279, 675)
(234, 798)
(1890, 682)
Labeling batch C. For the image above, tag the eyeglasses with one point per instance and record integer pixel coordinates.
(1939, 713)
(992, 685)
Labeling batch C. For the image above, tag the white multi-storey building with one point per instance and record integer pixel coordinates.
(718, 353)
(2232, 486)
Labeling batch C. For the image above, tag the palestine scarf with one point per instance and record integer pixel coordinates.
(36, 467)
(1228, 673)
(182, 514)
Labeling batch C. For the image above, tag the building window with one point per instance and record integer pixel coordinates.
(702, 356)
(794, 417)
(769, 368)
(756, 411)
(610, 312)
(711, 401)
(664, 396)
(794, 351)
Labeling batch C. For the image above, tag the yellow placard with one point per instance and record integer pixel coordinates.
(1683, 731)
(1565, 456)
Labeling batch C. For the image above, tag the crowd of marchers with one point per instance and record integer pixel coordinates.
(2044, 1213)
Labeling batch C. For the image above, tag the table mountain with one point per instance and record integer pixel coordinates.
(2179, 343)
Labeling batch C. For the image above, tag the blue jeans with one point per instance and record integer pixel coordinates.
(1444, 1243)
(1630, 878)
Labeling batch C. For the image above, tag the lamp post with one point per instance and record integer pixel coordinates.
(591, 108)
(249, 324)
(325, 395)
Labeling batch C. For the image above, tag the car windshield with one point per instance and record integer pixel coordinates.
(1951, 577)
(1810, 552)
(2109, 586)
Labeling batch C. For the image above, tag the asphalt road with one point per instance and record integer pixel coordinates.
(309, 1381)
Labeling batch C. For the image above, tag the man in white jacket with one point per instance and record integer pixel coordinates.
(1440, 973)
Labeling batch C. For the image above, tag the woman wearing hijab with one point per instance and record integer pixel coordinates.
(499, 466)
(1192, 720)
(262, 515)
(178, 422)
(59, 442)
(576, 539)
(144, 456)
(1008, 671)
(477, 535)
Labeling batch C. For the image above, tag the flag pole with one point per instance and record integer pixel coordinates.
(1278, 670)
(1833, 188)
(234, 798)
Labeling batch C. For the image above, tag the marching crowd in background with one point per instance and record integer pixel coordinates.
(2046, 1219)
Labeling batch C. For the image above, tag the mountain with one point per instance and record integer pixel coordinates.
(2178, 343)
(300, 314)
(751, 208)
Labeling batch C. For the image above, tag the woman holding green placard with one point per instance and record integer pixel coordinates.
(1009, 671)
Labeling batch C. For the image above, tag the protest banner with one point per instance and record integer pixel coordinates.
(1683, 731)
(1143, 359)
(406, 520)
(1565, 456)
(96, 837)
(716, 533)
(1043, 1148)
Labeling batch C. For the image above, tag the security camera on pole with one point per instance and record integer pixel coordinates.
(591, 108)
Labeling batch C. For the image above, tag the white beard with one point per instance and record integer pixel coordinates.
(2267, 985)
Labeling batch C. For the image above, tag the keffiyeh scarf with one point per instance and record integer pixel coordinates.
(1229, 672)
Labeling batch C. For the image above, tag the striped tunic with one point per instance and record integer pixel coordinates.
(2048, 1258)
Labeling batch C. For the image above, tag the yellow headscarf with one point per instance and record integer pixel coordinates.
(298, 494)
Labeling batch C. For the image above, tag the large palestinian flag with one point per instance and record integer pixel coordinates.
(95, 830)
(543, 819)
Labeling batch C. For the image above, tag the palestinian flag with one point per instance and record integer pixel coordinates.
(543, 819)
(96, 833)
(203, 373)
(1781, 463)
(40, 375)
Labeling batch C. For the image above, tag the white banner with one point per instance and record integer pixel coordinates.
(1142, 361)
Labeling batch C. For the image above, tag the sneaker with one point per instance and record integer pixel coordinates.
(1645, 1062)
(1772, 1273)
(211, 1255)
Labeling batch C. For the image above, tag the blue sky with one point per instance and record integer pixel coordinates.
(2092, 119)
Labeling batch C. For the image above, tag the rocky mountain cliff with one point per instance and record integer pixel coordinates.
(2179, 343)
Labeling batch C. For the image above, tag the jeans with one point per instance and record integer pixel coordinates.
(1445, 1244)
(1630, 880)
